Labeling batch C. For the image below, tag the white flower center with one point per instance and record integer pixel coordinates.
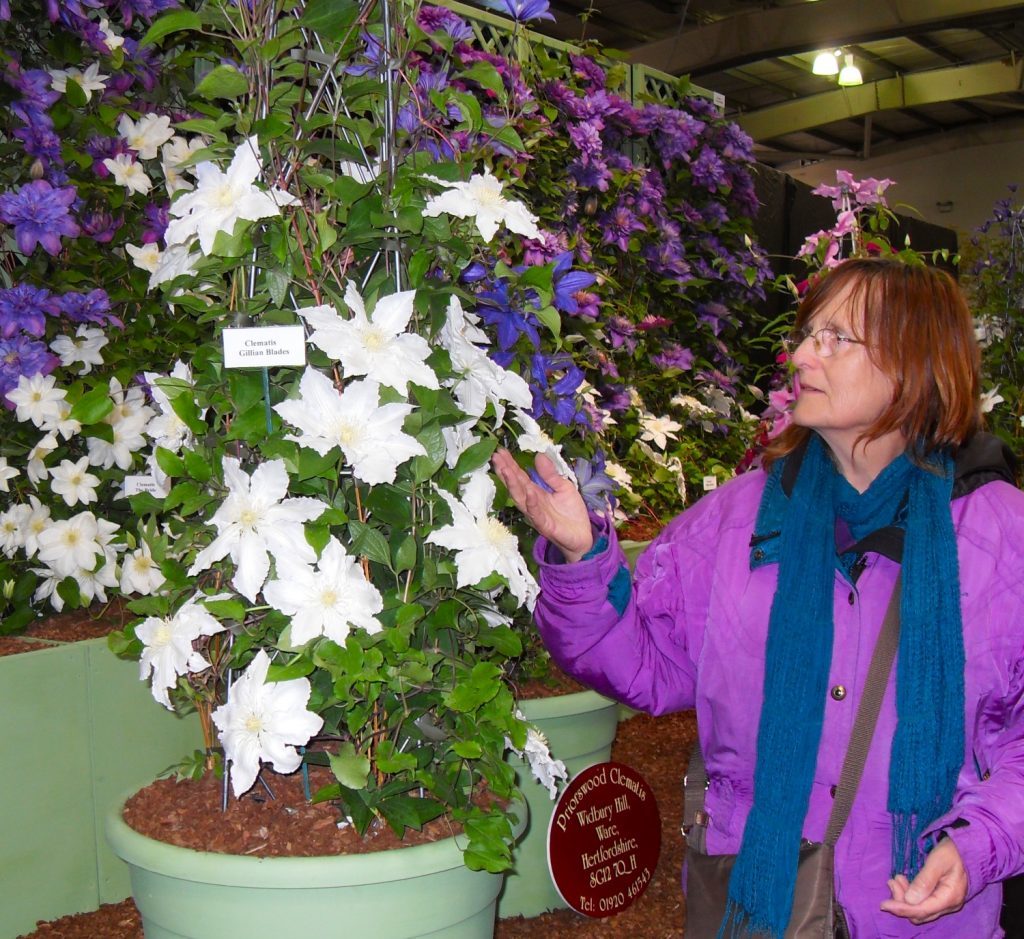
(347, 433)
(495, 533)
(224, 196)
(254, 723)
(328, 598)
(71, 538)
(163, 635)
(375, 339)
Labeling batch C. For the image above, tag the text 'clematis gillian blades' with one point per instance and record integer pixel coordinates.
(368, 433)
(257, 518)
(326, 600)
(264, 722)
(481, 199)
(221, 199)
(482, 544)
(167, 647)
(377, 347)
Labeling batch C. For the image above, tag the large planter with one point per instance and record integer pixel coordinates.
(580, 729)
(424, 890)
(79, 728)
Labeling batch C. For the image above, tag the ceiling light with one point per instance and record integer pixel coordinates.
(850, 75)
(825, 63)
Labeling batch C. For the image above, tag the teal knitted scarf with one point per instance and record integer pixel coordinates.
(927, 750)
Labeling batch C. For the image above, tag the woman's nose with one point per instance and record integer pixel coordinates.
(806, 352)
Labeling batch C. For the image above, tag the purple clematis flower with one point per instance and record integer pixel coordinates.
(673, 356)
(24, 308)
(440, 20)
(39, 214)
(22, 356)
(92, 307)
(596, 487)
(522, 10)
(567, 283)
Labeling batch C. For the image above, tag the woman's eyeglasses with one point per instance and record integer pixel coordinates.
(826, 341)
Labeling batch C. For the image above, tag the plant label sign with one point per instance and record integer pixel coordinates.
(260, 346)
(604, 839)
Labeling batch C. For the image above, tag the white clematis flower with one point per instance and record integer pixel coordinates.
(7, 473)
(128, 421)
(369, 434)
(264, 722)
(658, 429)
(147, 134)
(84, 347)
(536, 751)
(480, 198)
(481, 379)
(534, 440)
(146, 257)
(990, 399)
(378, 348)
(12, 529)
(36, 468)
(128, 173)
(255, 519)
(174, 261)
(167, 647)
(174, 157)
(71, 544)
(482, 544)
(73, 482)
(37, 399)
(110, 39)
(89, 81)
(221, 199)
(140, 573)
(327, 600)
(35, 523)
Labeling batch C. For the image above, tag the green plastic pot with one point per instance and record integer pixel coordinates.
(424, 890)
(580, 729)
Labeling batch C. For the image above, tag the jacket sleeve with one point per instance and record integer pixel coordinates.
(633, 637)
(986, 821)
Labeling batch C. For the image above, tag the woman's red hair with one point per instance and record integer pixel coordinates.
(919, 331)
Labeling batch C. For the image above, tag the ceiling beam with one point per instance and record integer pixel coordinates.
(903, 91)
(803, 27)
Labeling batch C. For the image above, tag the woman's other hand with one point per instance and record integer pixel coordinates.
(560, 515)
(940, 887)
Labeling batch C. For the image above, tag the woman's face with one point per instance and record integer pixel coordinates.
(841, 395)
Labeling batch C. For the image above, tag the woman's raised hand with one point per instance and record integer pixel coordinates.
(560, 515)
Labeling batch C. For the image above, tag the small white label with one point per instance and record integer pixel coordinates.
(718, 99)
(259, 346)
(710, 482)
(133, 485)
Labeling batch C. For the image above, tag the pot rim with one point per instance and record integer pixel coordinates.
(283, 872)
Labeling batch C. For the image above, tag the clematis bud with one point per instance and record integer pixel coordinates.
(37, 170)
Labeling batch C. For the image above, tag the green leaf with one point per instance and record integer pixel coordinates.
(403, 812)
(468, 749)
(475, 456)
(300, 668)
(368, 542)
(350, 768)
(170, 463)
(485, 75)
(423, 467)
(198, 466)
(225, 81)
(330, 19)
(549, 317)
(405, 554)
(481, 685)
(226, 609)
(93, 406)
(175, 22)
(75, 94)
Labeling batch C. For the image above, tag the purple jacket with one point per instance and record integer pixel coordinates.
(693, 635)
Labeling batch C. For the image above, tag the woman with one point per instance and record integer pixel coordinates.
(761, 605)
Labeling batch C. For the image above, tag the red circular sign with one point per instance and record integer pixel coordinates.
(604, 839)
